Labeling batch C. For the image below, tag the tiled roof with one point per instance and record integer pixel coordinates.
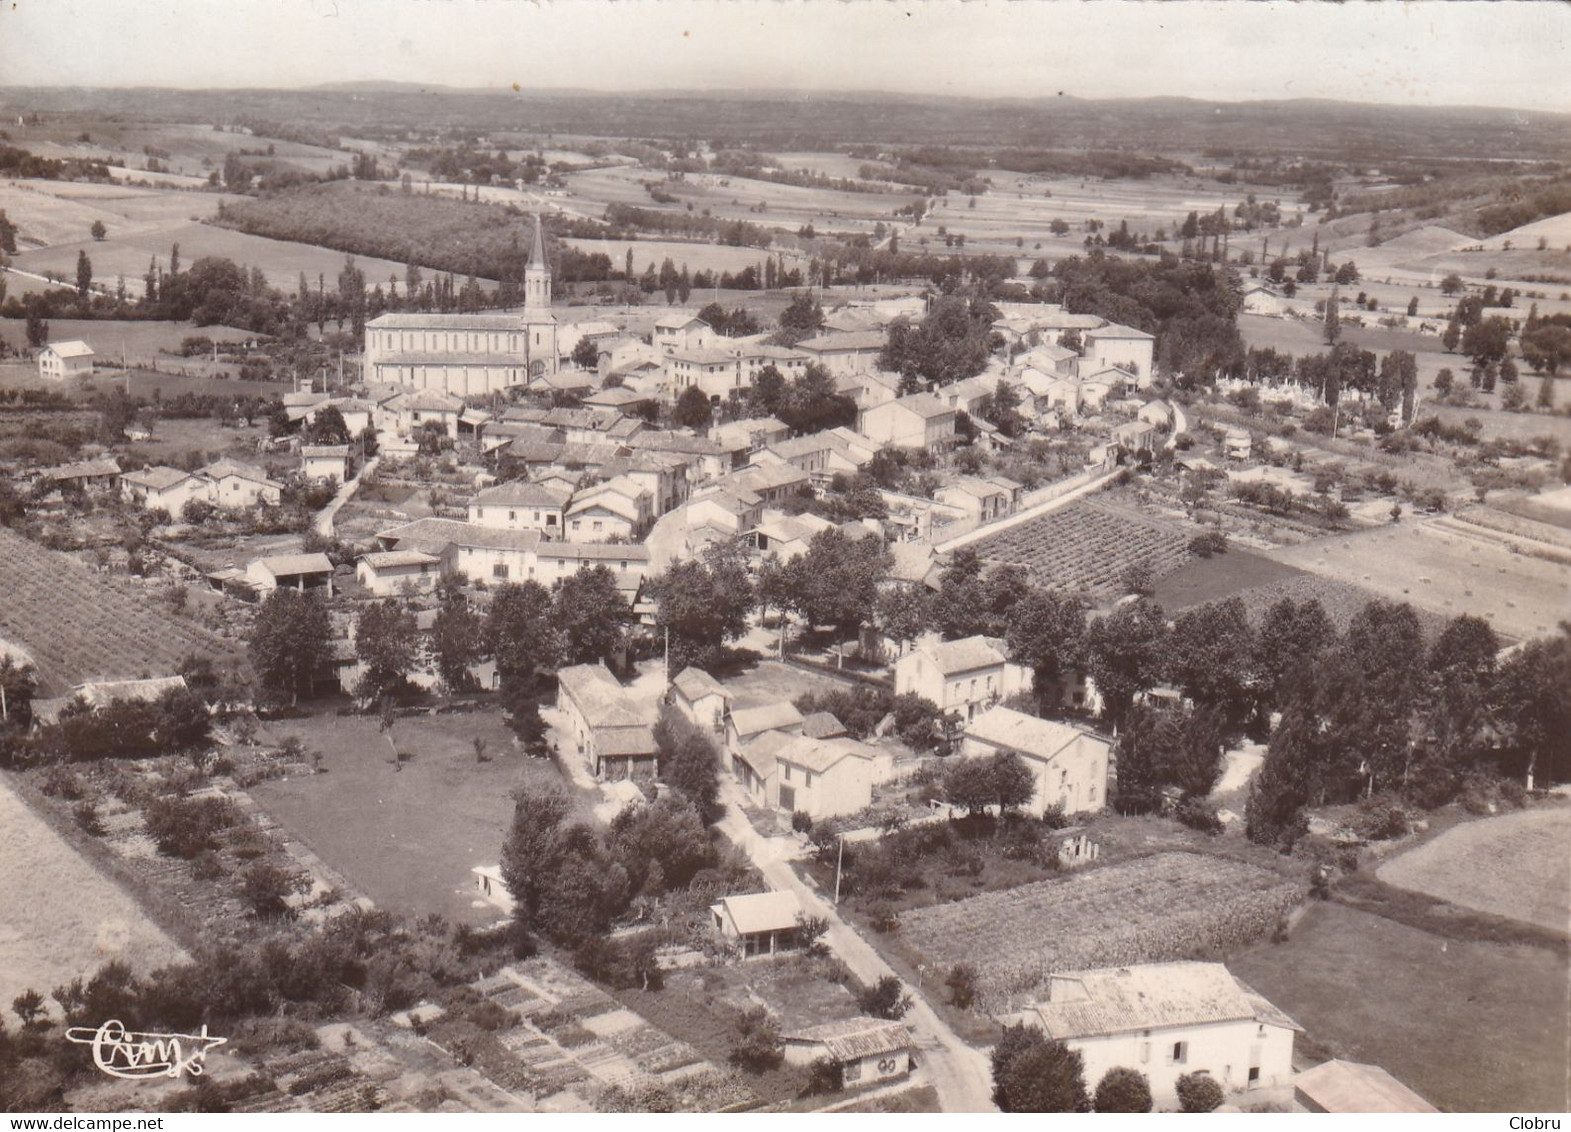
(293, 565)
(845, 340)
(924, 405)
(767, 717)
(427, 401)
(323, 451)
(75, 348)
(760, 753)
(411, 320)
(1039, 738)
(222, 469)
(631, 552)
(1149, 996)
(851, 1039)
(695, 683)
(601, 700)
(1117, 330)
(438, 533)
(387, 559)
(522, 493)
(763, 911)
(822, 725)
(965, 655)
(83, 469)
(1349, 1086)
(160, 478)
(818, 755)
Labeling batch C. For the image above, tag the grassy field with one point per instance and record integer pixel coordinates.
(406, 838)
(1515, 865)
(48, 213)
(1443, 573)
(1202, 580)
(144, 342)
(1164, 906)
(1476, 1027)
(62, 918)
(1515, 426)
(80, 625)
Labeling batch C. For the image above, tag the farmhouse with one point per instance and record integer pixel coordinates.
(869, 389)
(824, 778)
(1068, 766)
(163, 489)
(845, 354)
(423, 408)
(102, 693)
(981, 500)
(746, 724)
(789, 535)
(290, 571)
(1135, 437)
(865, 1049)
(1167, 1019)
(1158, 413)
(682, 332)
(1123, 347)
(325, 462)
(1263, 300)
(917, 421)
(82, 475)
(60, 360)
(1348, 1086)
(619, 508)
(761, 923)
(701, 698)
(397, 571)
(749, 435)
(612, 734)
(962, 677)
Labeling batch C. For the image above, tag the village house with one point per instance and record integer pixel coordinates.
(697, 452)
(772, 483)
(240, 485)
(981, 499)
(916, 421)
(701, 698)
(845, 353)
(628, 563)
(744, 725)
(825, 778)
(759, 923)
(1166, 1020)
(424, 408)
(82, 475)
(1135, 437)
(325, 462)
(1264, 301)
(865, 1050)
(473, 551)
(1158, 413)
(387, 572)
(1119, 346)
(961, 677)
(520, 505)
(617, 397)
(290, 571)
(713, 514)
(612, 734)
(788, 536)
(60, 360)
(869, 390)
(1237, 446)
(358, 413)
(615, 509)
(663, 476)
(754, 767)
(682, 332)
(967, 396)
(1068, 765)
(163, 489)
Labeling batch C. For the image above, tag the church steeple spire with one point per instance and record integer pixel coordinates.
(537, 274)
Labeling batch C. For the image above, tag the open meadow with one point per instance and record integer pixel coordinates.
(1473, 1027)
(142, 342)
(60, 918)
(1513, 865)
(1444, 572)
(695, 256)
(406, 838)
(1149, 909)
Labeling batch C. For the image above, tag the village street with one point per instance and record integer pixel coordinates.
(960, 1074)
(324, 519)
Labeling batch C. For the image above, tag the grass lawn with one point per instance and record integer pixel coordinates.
(1218, 578)
(61, 917)
(1477, 1027)
(769, 682)
(408, 838)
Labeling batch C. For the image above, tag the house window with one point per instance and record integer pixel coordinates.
(598, 524)
(537, 516)
(1179, 1054)
(785, 771)
(808, 780)
(852, 1071)
(577, 524)
(499, 569)
(1145, 1052)
(511, 515)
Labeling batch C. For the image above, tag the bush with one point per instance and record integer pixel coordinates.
(266, 888)
(87, 817)
(1199, 813)
(886, 998)
(824, 1076)
(962, 985)
(1123, 1090)
(1198, 1092)
(184, 827)
(60, 781)
(802, 821)
(1207, 544)
(758, 1046)
(207, 865)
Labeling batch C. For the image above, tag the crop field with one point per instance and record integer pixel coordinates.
(1551, 507)
(61, 212)
(406, 838)
(1472, 1027)
(1443, 572)
(1203, 580)
(1515, 865)
(62, 917)
(1088, 546)
(141, 341)
(1166, 906)
(696, 256)
(80, 625)
(1525, 427)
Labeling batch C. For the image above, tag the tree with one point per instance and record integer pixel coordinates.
(37, 329)
(18, 686)
(703, 603)
(183, 725)
(1487, 341)
(811, 403)
(386, 642)
(901, 612)
(1033, 1073)
(689, 762)
(1412, 307)
(661, 845)
(266, 888)
(886, 998)
(328, 427)
(1451, 284)
(1333, 321)
(1199, 1092)
(1124, 654)
(961, 982)
(802, 319)
(457, 637)
(1534, 711)
(563, 882)
(592, 615)
(84, 274)
(1210, 655)
(1292, 634)
(692, 409)
(758, 1045)
(837, 581)
(586, 355)
(98, 230)
(521, 633)
(290, 642)
(1123, 1090)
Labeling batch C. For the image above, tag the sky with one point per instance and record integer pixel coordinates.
(1426, 52)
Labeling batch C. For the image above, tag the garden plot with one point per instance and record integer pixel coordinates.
(1088, 546)
(1516, 865)
(1166, 906)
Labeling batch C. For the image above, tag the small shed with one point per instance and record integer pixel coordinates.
(1349, 1086)
(865, 1049)
(761, 923)
(492, 888)
(292, 571)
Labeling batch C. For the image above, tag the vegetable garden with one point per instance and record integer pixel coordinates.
(1088, 546)
(1162, 907)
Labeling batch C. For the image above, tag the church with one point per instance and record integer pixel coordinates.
(468, 354)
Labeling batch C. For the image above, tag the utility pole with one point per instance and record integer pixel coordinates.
(124, 368)
(839, 860)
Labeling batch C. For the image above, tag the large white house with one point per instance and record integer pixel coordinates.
(60, 360)
(1068, 765)
(919, 420)
(612, 734)
(961, 677)
(1166, 1020)
(1121, 347)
